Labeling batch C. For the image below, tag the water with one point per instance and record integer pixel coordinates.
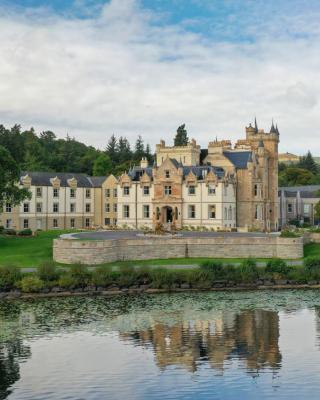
(248, 345)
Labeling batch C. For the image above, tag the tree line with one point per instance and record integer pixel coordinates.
(305, 172)
(45, 152)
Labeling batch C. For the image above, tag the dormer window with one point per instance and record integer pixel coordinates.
(39, 192)
(126, 191)
(192, 190)
(72, 193)
(167, 173)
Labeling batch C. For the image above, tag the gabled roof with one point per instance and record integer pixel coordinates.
(238, 158)
(44, 178)
(200, 171)
(136, 172)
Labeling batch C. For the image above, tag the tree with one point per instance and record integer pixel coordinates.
(307, 162)
(148, 153)
(10, 192)
(293, 176)
(181, 138)
(139, 149)
(112, 149)
(124, 150)
(102, 165)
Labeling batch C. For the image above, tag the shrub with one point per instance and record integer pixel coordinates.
(214, 267)
(312, 267)
(289, 234)
(161, 278)
(277, 266)
(47, 272)
(31, 284)
(25, 232)
(11, 232)
(80, 274)
(143, 275)
(249, 271)
(1, 228)
(9, 275)
(66, 281)
(200, 279)
(102, 277)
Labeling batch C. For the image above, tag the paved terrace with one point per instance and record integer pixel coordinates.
(109, 235)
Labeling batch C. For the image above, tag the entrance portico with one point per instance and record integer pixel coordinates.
(168, 214)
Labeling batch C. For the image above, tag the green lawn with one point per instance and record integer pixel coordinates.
(32, 251)
(27, 251)
(312, 249)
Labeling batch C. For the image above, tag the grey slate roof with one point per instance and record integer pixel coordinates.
(44, 178)
(306, 192)
(97, 181)
(136, 172)
(238, 158)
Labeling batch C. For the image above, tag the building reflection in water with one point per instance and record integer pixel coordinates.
(252, 337)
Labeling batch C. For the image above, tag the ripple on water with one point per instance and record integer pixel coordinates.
(167, 346)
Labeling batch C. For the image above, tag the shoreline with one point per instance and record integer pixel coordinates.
(14, 295)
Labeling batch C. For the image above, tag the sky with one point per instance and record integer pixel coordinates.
(91, 68)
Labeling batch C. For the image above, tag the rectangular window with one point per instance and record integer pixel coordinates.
(126, 211)
(146, 190)
(72, 207)
(87, 222)
(72, 193)
(39, 207)
(256, 190)
(115, 221)
(115, 193)
(191, 211)
(290, 208)
(126, 191)
(55, 223)
(8, 208)
(88, 207)
(212, 211)
(25, 223)
(39, 192)
(306, 209)
(167, 190)
(211, 190)
(8, 223)
(107, 207)
(55, 207)
(107, 192)
(26, 207)
(107, 221)
(167, 173)
(55, 192)
(146, 211)
(72, 222)
(225, 213)
(115, 208)
(192, 190)
(88, 193)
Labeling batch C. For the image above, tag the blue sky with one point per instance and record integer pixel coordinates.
(91, 68)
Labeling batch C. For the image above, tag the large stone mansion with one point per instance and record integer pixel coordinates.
(221, 187)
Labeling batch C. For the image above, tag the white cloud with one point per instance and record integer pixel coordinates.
(122, 72)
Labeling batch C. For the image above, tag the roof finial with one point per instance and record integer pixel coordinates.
(255, 124)
(273, 129)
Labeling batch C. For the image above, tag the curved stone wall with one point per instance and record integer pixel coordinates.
(70, 251)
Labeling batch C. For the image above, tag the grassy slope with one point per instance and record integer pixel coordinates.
(27, 251)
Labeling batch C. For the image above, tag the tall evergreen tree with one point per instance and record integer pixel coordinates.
(112, 149)
(124, 150)
(307, 162)
(181, 138)
(148, 153)
(139, 149)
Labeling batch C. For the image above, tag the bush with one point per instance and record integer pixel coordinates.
(289, 234)
(143, 275)
(31, 284)
(312, 267)
(9, 275)
(200, 279)
(66, 281)
(11, 232)
(161, 278)
(48, 272)
(102, 277)
(1, 228)
(25, 232)
(80, 274)
(277, 266)
(215, 267)
(249, 271)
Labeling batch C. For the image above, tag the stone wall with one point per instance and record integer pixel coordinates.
(70, 251)
(312, 237)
